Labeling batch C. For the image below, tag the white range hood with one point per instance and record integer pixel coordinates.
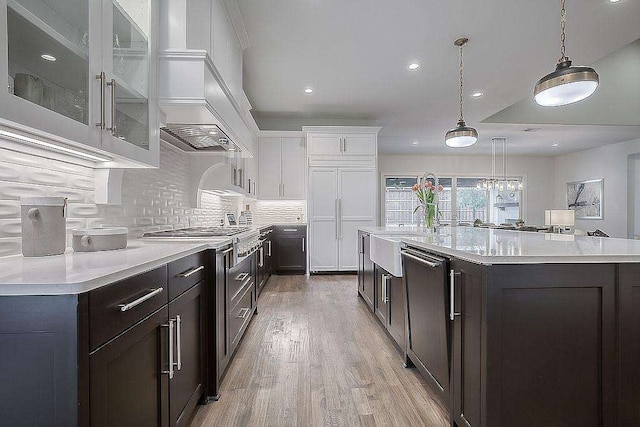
(191, 94)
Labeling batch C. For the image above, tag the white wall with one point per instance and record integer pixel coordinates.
(537, 174)
(152, 199)
(611, 163)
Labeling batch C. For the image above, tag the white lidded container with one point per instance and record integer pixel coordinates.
(99, 239)
(43, 225)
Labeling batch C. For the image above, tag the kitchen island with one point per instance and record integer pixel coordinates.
(520, 328)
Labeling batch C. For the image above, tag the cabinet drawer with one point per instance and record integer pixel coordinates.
(291, 230)
(239, 278)
(116, 307)
(185, 272)
(240, 315)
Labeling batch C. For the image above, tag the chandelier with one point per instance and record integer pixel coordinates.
(499, 183)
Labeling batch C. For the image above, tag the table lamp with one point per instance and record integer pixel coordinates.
(559, 218)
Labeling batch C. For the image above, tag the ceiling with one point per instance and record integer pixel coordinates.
(354, 54)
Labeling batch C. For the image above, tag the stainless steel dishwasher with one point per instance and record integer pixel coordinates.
(427, 302)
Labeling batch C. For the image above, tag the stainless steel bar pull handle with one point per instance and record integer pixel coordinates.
(452, 302)
(269, 248)
(240, 277)
(261, 260)
(344, 145)
(337, 219)
(340, 219)
(170, 371)
(421, 260)
(191, 272)
(383, 288)
(130, 305)
(303, 244)
(112, 84)
(179, 341)
(102, 123)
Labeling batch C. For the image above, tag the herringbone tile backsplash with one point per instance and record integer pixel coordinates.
(152, 199)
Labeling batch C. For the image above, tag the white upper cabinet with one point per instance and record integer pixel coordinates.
(294, 167)
(130, 64)
(325, 144)
(251, 172)
(269, 167)
(82, 73)
(282, 167)
(359, 144)
(342, 145)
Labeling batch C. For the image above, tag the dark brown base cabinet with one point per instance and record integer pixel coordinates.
(629, 335)
(390, 304)
(536, 345)
(530, 345)
(235, 304)
(127, 386)
(131, 353)
(265, 259)
(290, 243)
(366, 276)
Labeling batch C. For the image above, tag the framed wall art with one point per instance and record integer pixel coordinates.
(586, 198)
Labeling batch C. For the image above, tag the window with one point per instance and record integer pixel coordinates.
(460, 195)
(471, 202)
(399, 200)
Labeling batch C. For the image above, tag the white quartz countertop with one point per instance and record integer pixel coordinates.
(493, 246)
(273, 224)
(78, 272)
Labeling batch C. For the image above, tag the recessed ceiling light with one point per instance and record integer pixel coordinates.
(308, 91)
(415, 142)
(555, 144)
(414, 66)
(48, 57)
(213, 132)
(477, 94)
(614, 1)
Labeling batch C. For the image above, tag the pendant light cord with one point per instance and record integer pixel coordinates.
(563, 24)
(461, 84)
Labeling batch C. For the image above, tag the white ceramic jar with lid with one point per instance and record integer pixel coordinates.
(43, 225)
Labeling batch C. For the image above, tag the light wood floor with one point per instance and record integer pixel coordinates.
(315, 355)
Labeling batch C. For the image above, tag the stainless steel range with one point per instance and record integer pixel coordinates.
(245, 241)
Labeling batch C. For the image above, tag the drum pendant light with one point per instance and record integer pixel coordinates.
(462, 135)
(566, 84)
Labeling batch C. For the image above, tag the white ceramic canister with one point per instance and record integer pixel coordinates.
(43, 225)
(99, 239)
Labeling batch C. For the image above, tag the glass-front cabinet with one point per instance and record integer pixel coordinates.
(82, 71)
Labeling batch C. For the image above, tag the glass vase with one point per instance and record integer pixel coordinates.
(428, 219)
